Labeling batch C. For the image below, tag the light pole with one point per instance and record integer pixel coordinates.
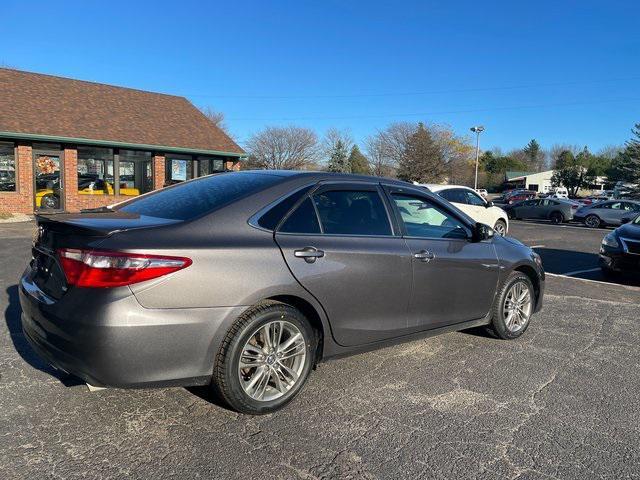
(477, 130)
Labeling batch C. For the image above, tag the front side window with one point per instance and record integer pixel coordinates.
(473, 199)
(135, 172)
(422, 218)
(7, 167)
(95, 171)
(350, 212)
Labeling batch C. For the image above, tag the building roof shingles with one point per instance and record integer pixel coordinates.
(60, 107)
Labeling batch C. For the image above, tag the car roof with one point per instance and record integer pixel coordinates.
(434, 187)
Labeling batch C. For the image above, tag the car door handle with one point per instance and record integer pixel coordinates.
(424, 255)
(310, 254)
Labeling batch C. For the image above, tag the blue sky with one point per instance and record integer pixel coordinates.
(558, 71)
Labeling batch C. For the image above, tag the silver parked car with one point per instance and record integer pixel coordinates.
(610, 212)
(245, 281)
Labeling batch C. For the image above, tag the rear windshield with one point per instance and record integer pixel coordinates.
(194, 198)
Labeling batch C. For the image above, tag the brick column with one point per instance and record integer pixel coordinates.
(25, 174)
(158, 171)
(71, 200)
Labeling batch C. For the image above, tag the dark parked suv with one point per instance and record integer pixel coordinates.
(247, 280)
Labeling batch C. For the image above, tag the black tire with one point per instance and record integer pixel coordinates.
(225, 381)
(609, 273)
(593, 221)
(510, 215)
(500, 226)
(498, 327)
(556, 217)
(50, 201)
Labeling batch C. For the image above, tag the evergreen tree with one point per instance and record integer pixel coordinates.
(422, 160)
(630, 167)
(339, 159)
(358, 162)
(534, 154)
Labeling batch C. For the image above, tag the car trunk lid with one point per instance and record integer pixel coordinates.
(75, 230)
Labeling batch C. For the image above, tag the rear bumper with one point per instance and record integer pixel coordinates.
(108, 339)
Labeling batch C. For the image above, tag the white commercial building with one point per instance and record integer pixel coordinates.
(541, 181)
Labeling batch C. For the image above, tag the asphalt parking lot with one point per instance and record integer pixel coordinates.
(561, 402)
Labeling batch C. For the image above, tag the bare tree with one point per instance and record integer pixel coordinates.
(558, 149)
(283, 148)
(381, 165)
(217, 118)
(387, 147)
(332, 138)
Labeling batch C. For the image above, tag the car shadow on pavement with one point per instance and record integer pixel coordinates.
(12, 318)
(561, 261)
(582, 265)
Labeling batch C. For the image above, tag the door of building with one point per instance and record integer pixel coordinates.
(48, 181)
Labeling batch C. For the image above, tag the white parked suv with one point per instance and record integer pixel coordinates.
(468, 200)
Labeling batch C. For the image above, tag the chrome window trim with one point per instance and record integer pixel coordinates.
(625, 247)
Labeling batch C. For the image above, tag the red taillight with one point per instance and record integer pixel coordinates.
(95, 268)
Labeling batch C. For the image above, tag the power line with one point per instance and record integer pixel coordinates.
(411, 94)
(441, 112)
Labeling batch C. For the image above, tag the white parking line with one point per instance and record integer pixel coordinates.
(561, 275)
(575, 227)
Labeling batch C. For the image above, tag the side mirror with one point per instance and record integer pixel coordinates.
(482, 232)
(489, 204)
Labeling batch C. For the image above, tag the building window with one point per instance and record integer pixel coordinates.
(95, 171)
(178, 168)
(135, 173)
(208, 165)
(7, 167)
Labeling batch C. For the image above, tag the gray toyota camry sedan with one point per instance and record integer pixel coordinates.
(245, 281)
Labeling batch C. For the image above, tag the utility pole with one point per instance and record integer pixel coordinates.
(477, 130)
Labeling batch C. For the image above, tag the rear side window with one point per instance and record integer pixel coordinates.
(349, 212)
(194, 198)
(454, 195)
(272, 217)
(302, 220)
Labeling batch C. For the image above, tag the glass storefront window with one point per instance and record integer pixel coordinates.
(208, 165)
(135, 172)
(178, 169)
(95, 171)
(7, 167)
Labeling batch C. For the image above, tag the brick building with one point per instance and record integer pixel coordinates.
(68, 144)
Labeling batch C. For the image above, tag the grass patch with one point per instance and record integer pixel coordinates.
(5, 215)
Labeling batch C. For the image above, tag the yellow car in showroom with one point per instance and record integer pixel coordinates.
(48, 193)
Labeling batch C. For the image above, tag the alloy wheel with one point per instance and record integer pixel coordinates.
(272, 360)
(500, 229)
(517, 306)
(592, 221)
